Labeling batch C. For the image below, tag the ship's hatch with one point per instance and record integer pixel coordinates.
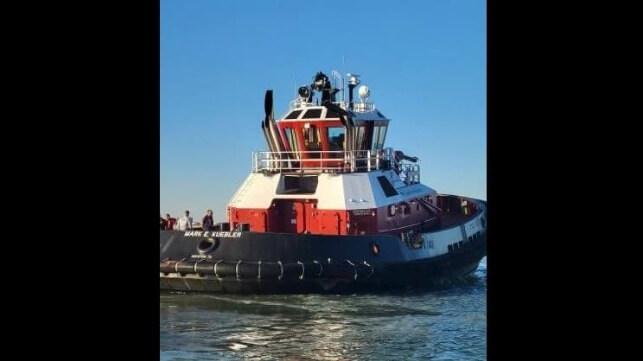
(294, 215)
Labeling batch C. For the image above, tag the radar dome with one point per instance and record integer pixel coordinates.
(364, 92)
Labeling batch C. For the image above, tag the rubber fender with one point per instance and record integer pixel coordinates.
(292, 270)
(205, 268)
(248, 269)
(313, 270)
(168, 266)
(364, 271)
(184, 267)
(227, 269)
(339, 270)
(269, 270)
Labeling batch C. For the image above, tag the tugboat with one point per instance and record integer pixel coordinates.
(328, 208)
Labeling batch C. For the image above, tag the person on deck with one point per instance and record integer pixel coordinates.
(185, 223)
(163, 222)
(208, 222)
(170, 221)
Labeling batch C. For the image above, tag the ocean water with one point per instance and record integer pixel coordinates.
(448, 324)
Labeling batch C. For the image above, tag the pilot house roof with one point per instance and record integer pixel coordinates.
(311, 113)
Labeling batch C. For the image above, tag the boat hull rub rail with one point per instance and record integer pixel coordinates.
(259, 270)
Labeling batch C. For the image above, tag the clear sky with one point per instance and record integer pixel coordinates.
(424, 62)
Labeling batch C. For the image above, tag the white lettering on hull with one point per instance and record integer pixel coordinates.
(212, 234)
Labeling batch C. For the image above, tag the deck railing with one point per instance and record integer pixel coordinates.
(358, 106)
(334, 162)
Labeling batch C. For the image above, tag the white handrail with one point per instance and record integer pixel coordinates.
(334, 161)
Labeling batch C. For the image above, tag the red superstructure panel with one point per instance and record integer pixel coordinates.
(292, 216)
(303, 216)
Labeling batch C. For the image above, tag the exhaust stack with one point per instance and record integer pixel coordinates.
(353, 81)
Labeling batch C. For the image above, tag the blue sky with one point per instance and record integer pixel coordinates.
(424, 62)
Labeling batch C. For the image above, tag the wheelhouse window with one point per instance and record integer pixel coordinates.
(360, 136)
(292, 139)
(379, 134)
(293, 115)
(335, 136)
(376, 134)
(312, 114)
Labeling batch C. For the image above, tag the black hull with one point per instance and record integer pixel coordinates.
(248, 262)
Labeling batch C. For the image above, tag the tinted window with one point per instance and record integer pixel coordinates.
(292, 139)
(381, 135)
(299, 185)
(376, 134)
(335, 137)
(312, 113)
(360, 137)
(387, 187)
(293, 115)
